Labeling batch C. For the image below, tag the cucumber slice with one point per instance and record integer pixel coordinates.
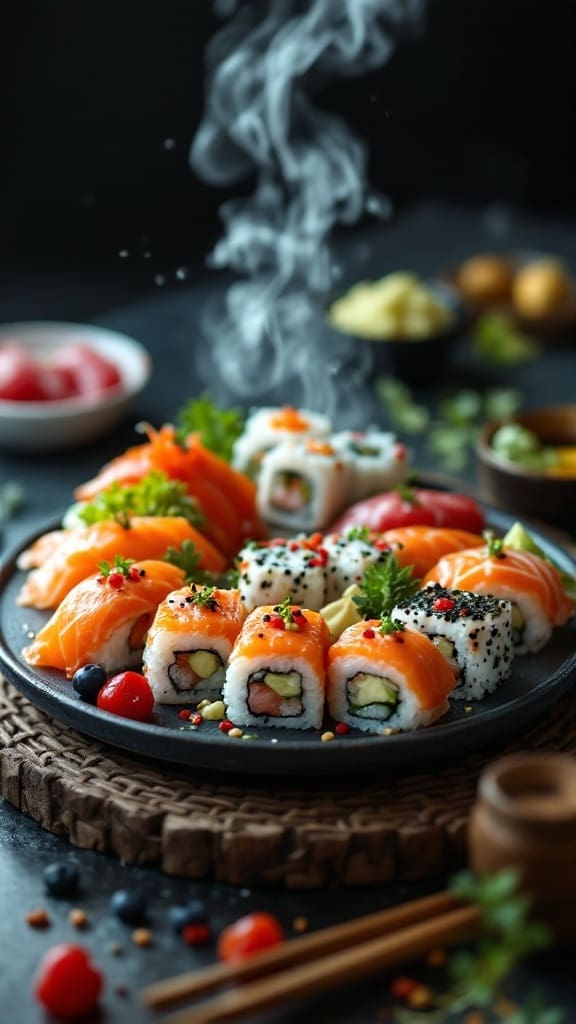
(204, 663)
(366, 688)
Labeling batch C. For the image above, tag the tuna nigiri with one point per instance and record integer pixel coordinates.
(104, 618)
(383, 676)
(422, 546)
(82, 550)
(532, 585)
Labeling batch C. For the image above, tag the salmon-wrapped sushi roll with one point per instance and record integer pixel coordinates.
(189, 642)
(276, 672)
(532, 585)
(383, 676)
(104, 618)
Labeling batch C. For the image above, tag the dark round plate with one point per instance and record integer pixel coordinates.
(535, 683)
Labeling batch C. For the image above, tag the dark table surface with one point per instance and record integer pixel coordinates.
(164, 313)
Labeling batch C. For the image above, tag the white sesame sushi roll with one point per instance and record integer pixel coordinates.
(378, 459)
(384, 678)
(304, 485)
(276, 672)
(349, 555)
(189, 642)
(265, 428)
(270, 571)
(473, 631)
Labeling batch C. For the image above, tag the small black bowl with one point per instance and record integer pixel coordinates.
(415, 360)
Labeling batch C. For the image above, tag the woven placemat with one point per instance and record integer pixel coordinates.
(240, 830)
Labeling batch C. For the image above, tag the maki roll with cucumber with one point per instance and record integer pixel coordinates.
(472, 631)
(383, 677)
(189, 641)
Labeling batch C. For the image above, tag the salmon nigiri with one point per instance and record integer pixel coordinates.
(104, 618)
(383, 676)
(422, 546)
(82, 550)
(533, 586)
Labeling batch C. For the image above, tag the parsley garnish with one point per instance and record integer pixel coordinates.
(188, 558)
(390, 626)
(154, 495)
(358, 533)
(286, 613)
(384, 585)
(204, 596)
(120, 565)
(218, 428)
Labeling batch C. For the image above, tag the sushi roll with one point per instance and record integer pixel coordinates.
(189, 641)
(349, 555)
(379, 461)
(268, 572)
(104, 618)
(473, 632)
(303, 485)
(533, 586)
(384, 677)
(276, 672)
(266, 428)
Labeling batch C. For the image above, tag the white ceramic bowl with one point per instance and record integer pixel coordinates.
(70, 422)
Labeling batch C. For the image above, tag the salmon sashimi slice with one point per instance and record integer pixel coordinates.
(411, 655)
(83, 549)
(507, 573)
(422, 546)
(218, 488)
(100, 622)
(41, 549)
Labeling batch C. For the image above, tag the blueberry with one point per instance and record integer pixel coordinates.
(88, 681)
(61, 879)
(187, 913)
(129, 905)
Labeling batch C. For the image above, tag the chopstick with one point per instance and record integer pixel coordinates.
(312, 963)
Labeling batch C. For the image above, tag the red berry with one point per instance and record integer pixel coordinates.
(196, 719)
(67, 983)
(195, 934)
(277, 622)
(225, 725)
(369, 634)
(249, 935)
(184, 715)
(341, 728)
(116, 580)
(129, 695)
(134, 574)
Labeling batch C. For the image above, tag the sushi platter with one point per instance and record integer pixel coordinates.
(293, 608)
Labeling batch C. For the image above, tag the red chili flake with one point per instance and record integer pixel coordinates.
(116, 580)
(464, 611)
(196, 719)
(298, 613)
(101, 580)
(402, 987)
(225, 725)
(443, 604)
(369, 634)
(135, 574)
(342, 728)
(293, 545)
(195, 934)
(184, 714)
(277, 622)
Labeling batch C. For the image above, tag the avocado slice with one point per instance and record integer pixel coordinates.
(285, 684)
(366, 688)
(204, 663)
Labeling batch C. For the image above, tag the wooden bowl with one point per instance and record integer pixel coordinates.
(528, 492)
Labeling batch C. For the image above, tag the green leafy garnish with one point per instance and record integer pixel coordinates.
(404, 413)
(385, 584)
(358, 533)
(499, 341)
(154, 495)
(286, 612)
(187, 558)
(494, 545)
(218, 428)
(120, 565)
(390, 626)
(476, 974)
(204, 597)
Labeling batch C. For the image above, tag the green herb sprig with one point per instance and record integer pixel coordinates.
(385, 584)
(218, 428)
(187, 557)
(498, 340)
(154, 495)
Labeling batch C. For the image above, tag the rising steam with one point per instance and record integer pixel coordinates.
(266, 333)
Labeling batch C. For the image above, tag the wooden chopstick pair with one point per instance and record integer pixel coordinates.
(311, 964)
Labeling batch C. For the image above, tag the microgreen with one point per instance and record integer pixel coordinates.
(187, 558)
(400, 406)
(285, 610)
(218, 428)
(154, 495)
(120, 565)
(204, 596)
(358, 533)
(385, 584)
(390, 626)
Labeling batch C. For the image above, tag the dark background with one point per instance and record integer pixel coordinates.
(481, 107)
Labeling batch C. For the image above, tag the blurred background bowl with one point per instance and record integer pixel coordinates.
(528, 492)
(71, 422)
(417, 361)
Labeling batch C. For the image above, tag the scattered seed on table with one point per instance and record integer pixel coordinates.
(78, 918)
(327, 736)
(142, 937)
(38, 918)
(420, 998)
(300, 924)
(116, 949)
(235, 733)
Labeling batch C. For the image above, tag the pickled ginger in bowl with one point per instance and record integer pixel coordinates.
(409, 324)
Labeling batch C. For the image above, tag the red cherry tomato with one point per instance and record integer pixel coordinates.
(406, 507)
(249, 935)
(67, 983)
(20, 377)
(128, 694)
(91, 371)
